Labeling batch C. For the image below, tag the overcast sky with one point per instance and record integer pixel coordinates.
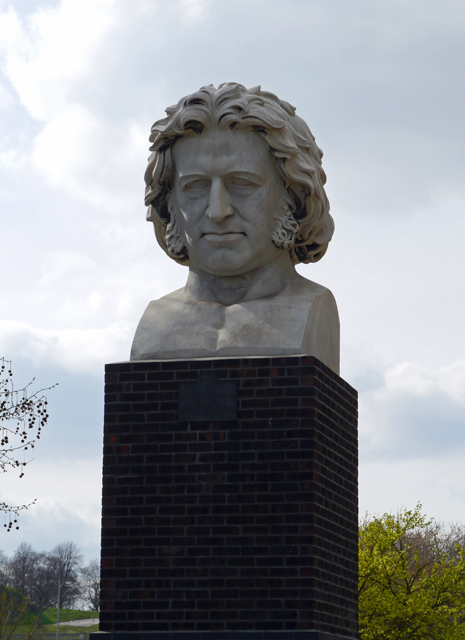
(381, 85)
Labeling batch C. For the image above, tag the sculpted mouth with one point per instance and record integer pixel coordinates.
(222, 235)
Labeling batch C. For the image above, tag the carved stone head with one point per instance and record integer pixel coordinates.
(303, 226)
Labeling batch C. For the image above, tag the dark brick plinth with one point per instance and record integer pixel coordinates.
(246, 526)
(218, 635)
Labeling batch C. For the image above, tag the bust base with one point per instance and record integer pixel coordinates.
(219, 635)
(229, 528)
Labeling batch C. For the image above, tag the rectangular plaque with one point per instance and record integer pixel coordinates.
(207, 399)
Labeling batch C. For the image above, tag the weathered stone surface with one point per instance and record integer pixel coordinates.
(235, 192)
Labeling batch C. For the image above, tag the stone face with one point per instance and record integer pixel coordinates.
(235, 192)
(229, 524)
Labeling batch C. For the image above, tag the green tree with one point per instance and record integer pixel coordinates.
(13, 609)
(411, 579)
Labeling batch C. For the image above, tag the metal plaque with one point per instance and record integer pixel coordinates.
(207, 399)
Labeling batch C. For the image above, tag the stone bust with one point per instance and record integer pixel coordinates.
(234, 189)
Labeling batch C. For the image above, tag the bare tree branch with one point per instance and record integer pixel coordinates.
(23, 414)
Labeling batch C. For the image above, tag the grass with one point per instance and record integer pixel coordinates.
(49, 619)
(49, 616)
(64, 628)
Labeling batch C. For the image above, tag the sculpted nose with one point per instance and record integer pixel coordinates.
(219, 203)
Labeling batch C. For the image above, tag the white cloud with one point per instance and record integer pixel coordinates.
(61, 141)
(93, 159)
(193, 10)
(421, 382)
(47, 49)
(72, 349)
(71, 514)
(6, 97)
(46, 56)
(69, 64)
(13, 158)
(418, 412)
(389, 485)
(63, 265)
(381, 87)
(391, 172)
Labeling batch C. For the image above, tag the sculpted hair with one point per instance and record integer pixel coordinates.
(290, 141)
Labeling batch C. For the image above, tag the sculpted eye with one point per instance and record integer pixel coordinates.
(196, 185)
(241, 182)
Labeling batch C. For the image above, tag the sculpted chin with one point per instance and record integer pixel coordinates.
(235, 191)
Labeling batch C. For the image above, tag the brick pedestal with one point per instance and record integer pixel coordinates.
(234, 527)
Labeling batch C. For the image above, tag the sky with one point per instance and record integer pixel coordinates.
(381, 85)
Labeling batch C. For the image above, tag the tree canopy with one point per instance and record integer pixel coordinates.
(13, 608)
(38, 574)
(411, 578)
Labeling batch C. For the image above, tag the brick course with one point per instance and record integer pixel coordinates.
(241, 525)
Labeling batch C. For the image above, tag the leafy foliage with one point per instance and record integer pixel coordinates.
(14, 607)
(23, 414)
(411, 579)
